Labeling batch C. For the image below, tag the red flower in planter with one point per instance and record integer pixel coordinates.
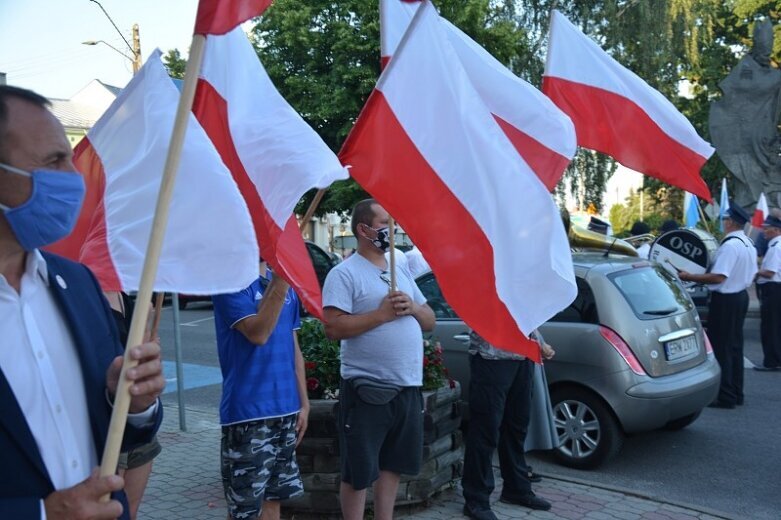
(310, 365)
(312, 384)
(425, 361)
(452, 383)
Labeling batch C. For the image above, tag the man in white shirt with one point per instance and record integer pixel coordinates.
(60, 358)
(733, 270)
(416, 263)
(769, 289)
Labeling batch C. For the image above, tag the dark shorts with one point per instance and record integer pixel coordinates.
(374, 438)
(137, 457)
(258, 462)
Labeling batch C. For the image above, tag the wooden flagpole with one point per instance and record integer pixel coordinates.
(144, 299)
(392, 240)
(311, 210)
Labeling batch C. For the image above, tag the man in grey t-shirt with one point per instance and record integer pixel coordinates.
(380, 420)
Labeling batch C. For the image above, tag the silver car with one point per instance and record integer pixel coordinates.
(631, 355)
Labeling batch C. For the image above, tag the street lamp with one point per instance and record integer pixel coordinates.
(135, 49)
(95, 42)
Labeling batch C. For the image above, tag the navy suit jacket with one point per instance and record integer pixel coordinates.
(24, 480)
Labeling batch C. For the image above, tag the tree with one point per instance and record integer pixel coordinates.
(174, 63)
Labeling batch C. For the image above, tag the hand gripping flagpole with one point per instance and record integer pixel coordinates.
(122, 399)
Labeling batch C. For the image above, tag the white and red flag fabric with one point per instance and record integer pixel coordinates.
(220, 16)
(438, 161)
(209, 243)
(541, 133)
(617, 113)
(274, 155)
(761, 212)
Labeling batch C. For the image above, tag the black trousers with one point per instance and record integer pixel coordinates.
(499, 404)
(727, 313)
(770, 328)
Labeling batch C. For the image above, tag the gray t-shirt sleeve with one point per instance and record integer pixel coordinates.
(338, 291)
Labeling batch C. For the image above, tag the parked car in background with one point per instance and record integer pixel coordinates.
(631, 355)
(321, 261)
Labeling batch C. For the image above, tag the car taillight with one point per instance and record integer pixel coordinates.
(623, 350)
(708, 347)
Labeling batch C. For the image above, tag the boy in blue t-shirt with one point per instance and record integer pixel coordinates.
(264, 408)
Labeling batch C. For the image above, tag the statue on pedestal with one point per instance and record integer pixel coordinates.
(744, 123)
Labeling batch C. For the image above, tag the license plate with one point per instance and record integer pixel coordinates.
(681, 348)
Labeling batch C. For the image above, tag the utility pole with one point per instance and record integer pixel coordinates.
(136, 49)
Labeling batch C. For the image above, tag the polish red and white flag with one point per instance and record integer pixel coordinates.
(274, 155)
(761, 212)
(541, 133)
(220, 16)
(438, 161)
(209, 245)
(617, 113)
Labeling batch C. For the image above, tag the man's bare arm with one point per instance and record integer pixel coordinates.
(258, 328)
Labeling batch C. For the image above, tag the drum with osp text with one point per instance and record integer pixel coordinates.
(690, 250)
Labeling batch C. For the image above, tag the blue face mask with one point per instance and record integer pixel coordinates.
(51, 211)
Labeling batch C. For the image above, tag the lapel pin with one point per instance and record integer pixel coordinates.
(61, 281)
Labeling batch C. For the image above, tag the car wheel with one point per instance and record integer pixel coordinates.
(588, 432)
(182, 304)
(683, 422)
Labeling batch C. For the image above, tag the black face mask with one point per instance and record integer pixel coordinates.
(381, 241)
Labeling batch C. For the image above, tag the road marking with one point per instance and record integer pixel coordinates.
(747, 363)
(194, 376)
(193, 323)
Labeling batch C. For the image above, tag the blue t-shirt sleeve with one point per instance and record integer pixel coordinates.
(234, 307)
(296, 310)
(338, 291)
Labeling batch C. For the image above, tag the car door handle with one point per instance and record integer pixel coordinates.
(464, 338)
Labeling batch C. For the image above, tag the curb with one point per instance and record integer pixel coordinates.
(640, 494)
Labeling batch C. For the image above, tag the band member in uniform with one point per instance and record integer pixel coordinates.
(769, 289)
(733, 270)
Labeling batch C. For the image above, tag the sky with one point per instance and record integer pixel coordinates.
(41, 49)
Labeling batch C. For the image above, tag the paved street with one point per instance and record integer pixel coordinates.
(726, 461)
(185, 484)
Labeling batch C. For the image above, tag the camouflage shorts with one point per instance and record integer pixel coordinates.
(258, 462)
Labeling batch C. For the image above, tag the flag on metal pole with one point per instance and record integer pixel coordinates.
(723, 204)
(761, 212)
(505, 216)
(691, 210)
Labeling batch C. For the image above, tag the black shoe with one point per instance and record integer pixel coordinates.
(767, 369)
(479, 513)
(531, 501)
(721, 404)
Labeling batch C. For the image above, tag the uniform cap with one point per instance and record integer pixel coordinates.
(737, 214)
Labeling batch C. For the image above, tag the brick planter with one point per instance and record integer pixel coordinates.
(318, 454)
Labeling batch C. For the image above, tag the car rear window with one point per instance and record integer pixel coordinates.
(652, 292)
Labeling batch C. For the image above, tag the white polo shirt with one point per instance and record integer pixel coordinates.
(772, 262)
(736, 259)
